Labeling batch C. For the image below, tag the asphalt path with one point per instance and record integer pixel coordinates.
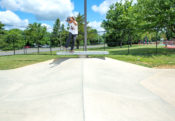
(35, 50)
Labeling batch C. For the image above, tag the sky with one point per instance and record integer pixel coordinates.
(20, 13)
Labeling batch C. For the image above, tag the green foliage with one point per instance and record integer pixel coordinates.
(92, 36)
(127, 21)
(13, 39)
(36, 34)
(158, 13)
(55, 36)
(63, 35)
(118, 21)
(33, 35)
(1, 28)
(1, 35)
(80, 21)
(46, 39)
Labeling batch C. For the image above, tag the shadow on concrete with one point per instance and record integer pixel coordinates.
(58, 61)
(101, 58)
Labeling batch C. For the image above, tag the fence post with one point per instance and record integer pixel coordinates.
(121, 42)
(50, 49)
(38, 48)
(14, 47)
(128, 48)
(60, 42)
(104, 41)
(25, 49)
(50, 45)
(98, 39)
(128, 42)
(37, 45)
(156, 40)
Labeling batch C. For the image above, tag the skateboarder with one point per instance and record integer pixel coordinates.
(73, 32)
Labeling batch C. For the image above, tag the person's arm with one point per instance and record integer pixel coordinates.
(75, 23)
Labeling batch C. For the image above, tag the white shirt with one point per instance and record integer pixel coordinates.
(73, 28)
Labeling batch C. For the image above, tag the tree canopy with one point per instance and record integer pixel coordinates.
(36, 35)
(56, 33)
(1, 28)
(128, 20)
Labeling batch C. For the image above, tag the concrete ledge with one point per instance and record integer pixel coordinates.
(83, 53)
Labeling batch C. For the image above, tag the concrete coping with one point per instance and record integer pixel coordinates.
(83, 53)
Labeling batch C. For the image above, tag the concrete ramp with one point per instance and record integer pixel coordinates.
(82, 89)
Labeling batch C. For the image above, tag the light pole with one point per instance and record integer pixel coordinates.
(85, 25)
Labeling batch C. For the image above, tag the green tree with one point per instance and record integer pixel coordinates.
(126, 21)
(27, 38)
(63, 35)
(47, 39)
(55, 37)
(119, 23)
(80, 38)
(92, 33)
(13, 40)
(36, 34)
(1, 35)
(158, 15)
(1, 28)
(92, 36)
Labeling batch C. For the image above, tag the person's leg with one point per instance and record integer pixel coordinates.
(68, 40)
(73, 42)
(77, 43)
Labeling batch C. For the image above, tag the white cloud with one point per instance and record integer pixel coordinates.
(75, 13)
(11, 20)
(42, 9)
(96, 25)
(104, 6)
(49, 28)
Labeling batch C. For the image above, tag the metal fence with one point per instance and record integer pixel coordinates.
(140, 47)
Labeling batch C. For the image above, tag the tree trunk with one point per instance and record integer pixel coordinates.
(38, 49)
(121, 44)
(130, 43)
(14, 47)
(78, 44)
(173, 29)
(38, 46)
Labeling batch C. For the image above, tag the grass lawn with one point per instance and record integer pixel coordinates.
(11, 62)
(16, 61)
(144, 55)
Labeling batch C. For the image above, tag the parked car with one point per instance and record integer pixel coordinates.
(45, 46)
(27, 47)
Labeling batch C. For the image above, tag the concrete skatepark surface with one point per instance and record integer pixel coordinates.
(87, 89)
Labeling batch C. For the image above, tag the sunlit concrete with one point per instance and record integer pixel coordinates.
(86, 89)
